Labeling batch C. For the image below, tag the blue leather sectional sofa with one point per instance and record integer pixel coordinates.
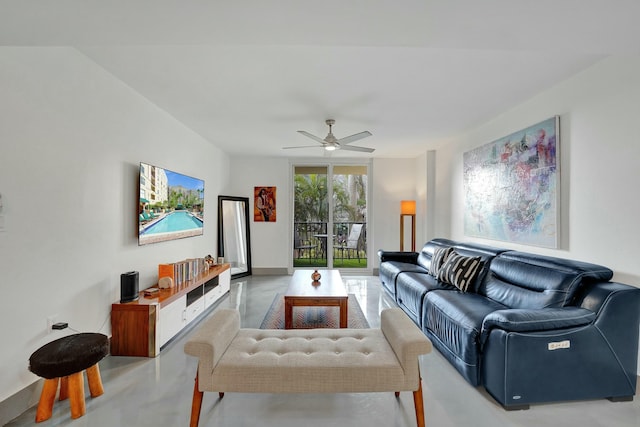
(529, 328)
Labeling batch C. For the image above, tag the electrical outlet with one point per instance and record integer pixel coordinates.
(50, 321)
(60, 325)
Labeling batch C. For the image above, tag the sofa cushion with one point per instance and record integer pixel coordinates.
(440, 255)
(588, 272)
(453, 322)
(460, 271)
(426, 253)
(476, 249)
(410, 290)
(522, 280)
(389, 271)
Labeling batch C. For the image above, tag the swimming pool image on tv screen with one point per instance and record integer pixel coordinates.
(171, 205)
(176, 221)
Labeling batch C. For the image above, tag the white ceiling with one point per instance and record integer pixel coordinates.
(247, 74)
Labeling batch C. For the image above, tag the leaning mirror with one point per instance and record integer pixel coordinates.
(233, 234)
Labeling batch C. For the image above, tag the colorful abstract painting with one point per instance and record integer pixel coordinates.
(512, 187)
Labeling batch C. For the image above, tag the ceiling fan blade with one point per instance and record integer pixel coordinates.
(353, 138)
(302, 146)
(355, 148)
(315, 138)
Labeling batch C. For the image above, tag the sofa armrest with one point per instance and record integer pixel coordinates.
(405, 338)
(212, 338)
(617, 307)
(408, 257)
(522, 320)
(596, 296)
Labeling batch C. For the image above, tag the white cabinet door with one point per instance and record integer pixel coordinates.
(224, 285)
(211, 297)
(224, 281)
(173, 318)
(195, 309)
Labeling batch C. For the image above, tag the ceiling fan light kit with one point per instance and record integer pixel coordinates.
(331, 143)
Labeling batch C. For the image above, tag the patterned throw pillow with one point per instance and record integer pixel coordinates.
(460, 271)
(440, 255)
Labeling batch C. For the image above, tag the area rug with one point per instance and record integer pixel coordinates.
(314, 317)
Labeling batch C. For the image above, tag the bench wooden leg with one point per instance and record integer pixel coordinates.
(95, 381)
(419, 404)
(76, 394)
(47, 396)
(196, 404)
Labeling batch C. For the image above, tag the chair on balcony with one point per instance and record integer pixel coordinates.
(300, 246)
(353, 241)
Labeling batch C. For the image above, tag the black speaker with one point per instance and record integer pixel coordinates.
(129, 286)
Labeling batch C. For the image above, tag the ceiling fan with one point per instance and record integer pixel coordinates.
(331, 143)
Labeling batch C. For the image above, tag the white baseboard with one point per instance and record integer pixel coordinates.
(15, 405)
(269, 271)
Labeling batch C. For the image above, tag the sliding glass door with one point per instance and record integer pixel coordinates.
(349, 216)
(310, 215)
(330, 216)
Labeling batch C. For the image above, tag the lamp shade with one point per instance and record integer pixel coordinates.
(407, 207)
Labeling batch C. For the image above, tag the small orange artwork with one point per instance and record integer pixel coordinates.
(264, 204)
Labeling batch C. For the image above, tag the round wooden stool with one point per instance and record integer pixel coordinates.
(62, 362)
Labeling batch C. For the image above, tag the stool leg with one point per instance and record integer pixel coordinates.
(95, 381)
(47, 396)
(64, 388)
(76, 394)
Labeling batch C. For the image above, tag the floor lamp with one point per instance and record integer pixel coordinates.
(408, 208)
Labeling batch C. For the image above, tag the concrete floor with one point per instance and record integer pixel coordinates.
(157, 392)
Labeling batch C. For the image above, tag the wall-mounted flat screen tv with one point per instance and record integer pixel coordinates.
(171, 205)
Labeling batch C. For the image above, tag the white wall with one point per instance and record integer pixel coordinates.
(71, 138)
(270, 246)
(426, 195)
(600, 148)
(392, 181)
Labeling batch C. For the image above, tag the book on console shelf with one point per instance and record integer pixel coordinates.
(151, 292)
(182, 271)
(166, 270)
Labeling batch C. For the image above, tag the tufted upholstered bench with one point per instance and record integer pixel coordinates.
(62, 362)
(307, 361)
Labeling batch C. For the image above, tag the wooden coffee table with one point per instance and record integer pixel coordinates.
(303, 292)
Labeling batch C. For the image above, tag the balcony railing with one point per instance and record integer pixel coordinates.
(311, 243)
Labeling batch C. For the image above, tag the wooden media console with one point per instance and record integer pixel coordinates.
(142, 327)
